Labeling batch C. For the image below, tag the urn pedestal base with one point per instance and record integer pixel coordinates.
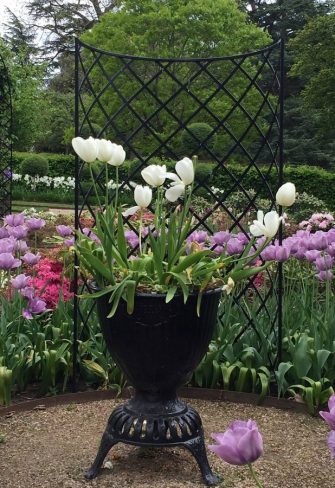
(147, 422)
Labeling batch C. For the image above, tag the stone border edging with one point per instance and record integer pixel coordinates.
(195, 393)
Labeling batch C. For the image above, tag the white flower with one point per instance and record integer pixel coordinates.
(87, 149)
(286, 195)
(266, 225)
(175, 191)
(142, 196)
(185, 171)
(105, 150)
(154, 174)
(229, 286)
(118, 155)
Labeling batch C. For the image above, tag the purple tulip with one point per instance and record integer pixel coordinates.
(7, 261)
(18, 232)
(35, 224)
(325, 275)
(220, 238)
(331, 444)
(329, 417)
(318, 242)
(21, 246)
(331, 236)
(31, 259)
(275, 253)
(3, 232)
(234, 246)
(69, 242)
(28, 292)
(269, 253)
(35, 306)
(14, 220)
(8, 244)
(20, 281)
(331, 249)
(323, 263)
(88, 232)
(240, 444)
(312, 255)
(7, 173)
(198, 236)
(243, 238)
(218, 250)
(64, 230)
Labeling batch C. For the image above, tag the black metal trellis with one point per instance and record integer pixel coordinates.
(5, 140)
(147, 105)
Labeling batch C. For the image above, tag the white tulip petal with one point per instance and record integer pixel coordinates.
(86, 149)
(105, 150)
(118, 155)
(154, 175)
(286, 195)
(271, 222)
(256, 231)
(143, 196)
(185, 170)
(260, 216)
(174, 192)
(131, 211)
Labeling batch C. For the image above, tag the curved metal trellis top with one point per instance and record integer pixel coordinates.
(157, 108)
(6, 115)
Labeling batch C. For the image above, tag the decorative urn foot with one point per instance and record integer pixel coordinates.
(142, 423)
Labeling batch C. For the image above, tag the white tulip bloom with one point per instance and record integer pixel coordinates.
(286, 195)
(87, 149)
(154, 175)
(143, 197)
(118, 155)
(266, 225)
(105, 150)
(185, 171)
(175, 191)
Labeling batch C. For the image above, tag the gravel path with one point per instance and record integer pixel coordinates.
(51, 449)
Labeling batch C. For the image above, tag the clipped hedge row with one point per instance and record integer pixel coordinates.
(59, 164)
(310, 179)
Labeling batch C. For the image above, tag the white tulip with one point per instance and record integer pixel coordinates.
(87, 149)
(105, 150)
(175, 191)
(266, 225)
(185, 171)
(154, 175)
(286, 195)
(143, 196)
(118, 155)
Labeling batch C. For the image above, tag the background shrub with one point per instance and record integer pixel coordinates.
(194, 140)
(35, 165)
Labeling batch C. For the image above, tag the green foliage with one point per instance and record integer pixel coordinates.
(313, 49)
(35, 165)
(197, 138)
(177, 29)
(59, 164)
(305, 205)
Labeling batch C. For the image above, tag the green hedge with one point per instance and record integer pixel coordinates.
(310, 179)
(59, 164)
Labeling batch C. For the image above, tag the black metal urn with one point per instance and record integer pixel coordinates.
(158, 347)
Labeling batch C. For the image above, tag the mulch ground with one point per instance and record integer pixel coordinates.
(52, 448)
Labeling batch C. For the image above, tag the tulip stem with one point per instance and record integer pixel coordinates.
(116, 187)
(254, 476)
(140, 232)
(95, 186)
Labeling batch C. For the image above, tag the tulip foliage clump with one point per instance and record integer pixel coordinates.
(124, 257)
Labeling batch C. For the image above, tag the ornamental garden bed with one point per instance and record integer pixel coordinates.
(58, 444)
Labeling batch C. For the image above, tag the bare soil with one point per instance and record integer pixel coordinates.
(53, 447)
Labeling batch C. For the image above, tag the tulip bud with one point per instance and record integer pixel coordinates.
(118, 155)
(154, 175)
(87, 149)
(185, 171)
(143, 196)
(105, 150)
(286, 195)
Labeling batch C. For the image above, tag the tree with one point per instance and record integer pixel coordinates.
(62, 20)
(174, 28)
(314, 56)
